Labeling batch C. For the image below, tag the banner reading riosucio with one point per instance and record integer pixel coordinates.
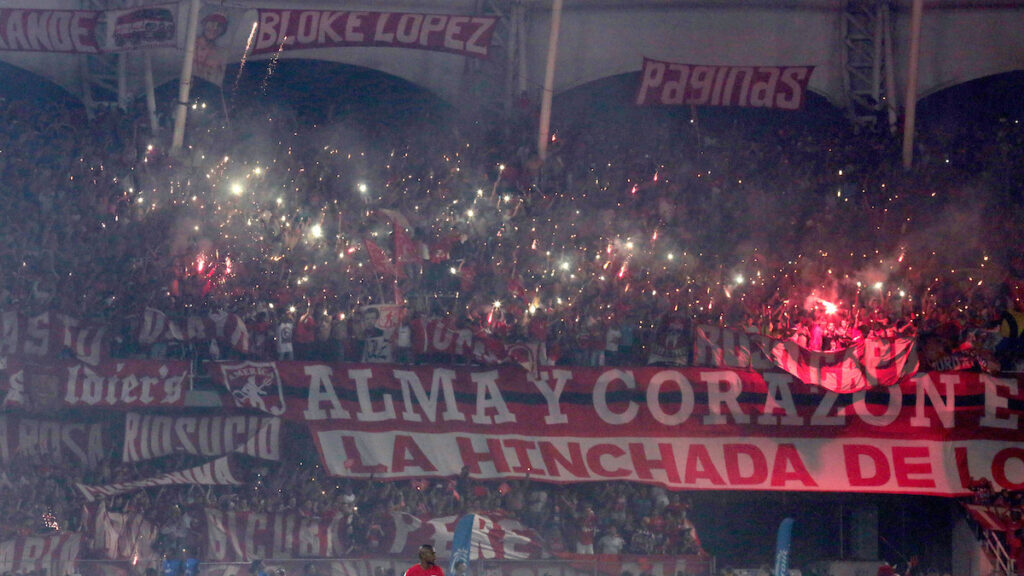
(674, 84)
(153, 436)
(685, 428)
(303, 29)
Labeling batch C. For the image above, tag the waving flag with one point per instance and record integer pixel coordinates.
(782, 542)
(461, 542)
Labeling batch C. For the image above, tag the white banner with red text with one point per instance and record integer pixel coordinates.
(674, 84)
(465, 35)
(679, 427)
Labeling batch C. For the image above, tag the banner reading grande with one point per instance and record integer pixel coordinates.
(683, 428)
(49, 30)
(303, 29)
(674, 84)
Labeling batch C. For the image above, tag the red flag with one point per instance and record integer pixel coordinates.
(515, 287)
(407, 250)
(380, 260)
(868, 363)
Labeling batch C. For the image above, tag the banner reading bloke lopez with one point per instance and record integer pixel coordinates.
(684, 428)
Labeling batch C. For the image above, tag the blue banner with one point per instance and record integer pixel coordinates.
(461, 541)
(782, 542)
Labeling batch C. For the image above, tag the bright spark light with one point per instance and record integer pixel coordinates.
(830, 308)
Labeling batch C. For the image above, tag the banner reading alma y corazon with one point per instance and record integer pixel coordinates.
(684, 428)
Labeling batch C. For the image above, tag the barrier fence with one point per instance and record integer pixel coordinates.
(576, 565)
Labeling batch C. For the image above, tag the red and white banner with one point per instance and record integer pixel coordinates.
(992, 517)
(119, 535)
(674, 84)
(120, 384)
(50, 334)
(71, 31)
(245, 536)
(866, 364)
(725, 348)
(219, 472)
(870, 363)
(442, 336)
(381, 261)
(684, 428)
(304, 29)
(57, 441)
(150, 26)
(407, 250)
(53, 553)
(150, 436)
(227, 329)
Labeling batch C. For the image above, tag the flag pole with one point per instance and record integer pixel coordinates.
(147, 61)
(549, 81)
(910, 115)
(185, 84)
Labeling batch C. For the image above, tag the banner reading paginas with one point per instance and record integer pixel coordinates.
(674, 84)
(684, 428)
(151, 436)
(304, 29)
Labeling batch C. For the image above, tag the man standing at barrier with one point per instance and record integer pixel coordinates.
(426, 565)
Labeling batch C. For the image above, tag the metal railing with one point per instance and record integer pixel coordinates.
(572, 565)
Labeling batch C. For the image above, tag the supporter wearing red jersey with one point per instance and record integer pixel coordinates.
(426, 566)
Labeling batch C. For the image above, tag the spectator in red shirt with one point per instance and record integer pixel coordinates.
(305, 335)
(426, 565)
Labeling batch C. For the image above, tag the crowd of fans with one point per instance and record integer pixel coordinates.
(791, 229)
(804, 231)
